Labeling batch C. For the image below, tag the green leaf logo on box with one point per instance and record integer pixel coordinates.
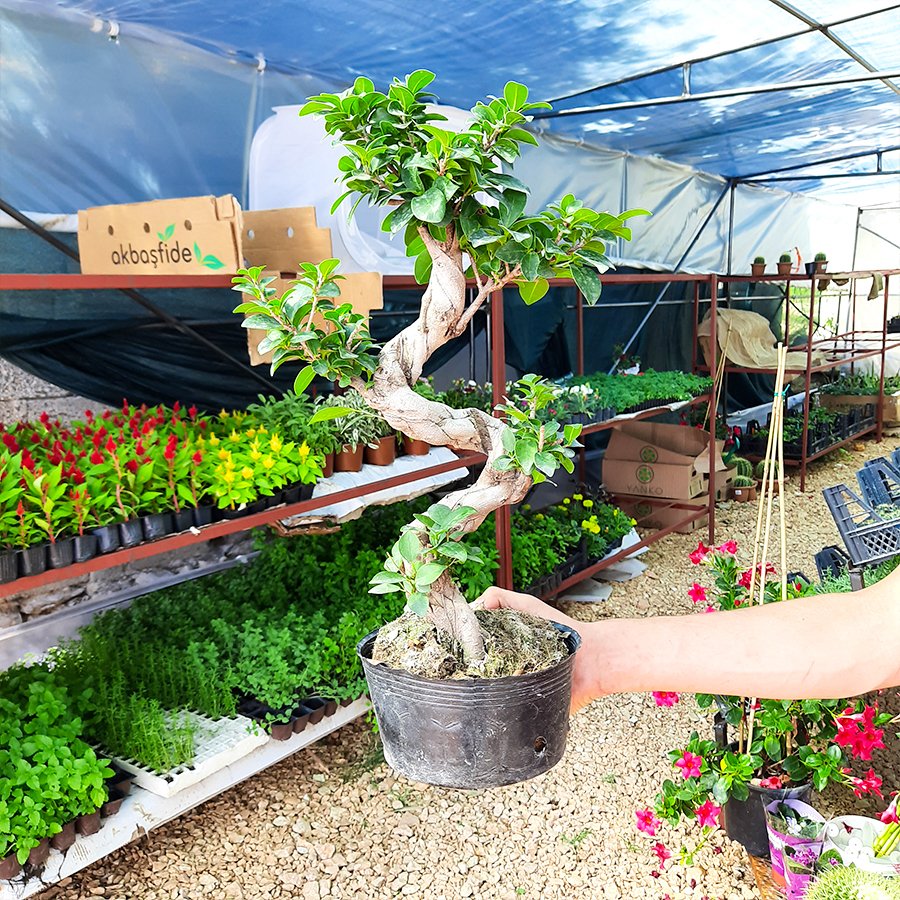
(644, 474)
(649, 454)
(210, 261)
(165, 235)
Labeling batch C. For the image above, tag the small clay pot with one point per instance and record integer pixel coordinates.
(39, 854)
(412, 447)
(9, 867)
(328, 466)
(65, 838)
(85, 547)
(113, 803)
(744, 494)
(61, 553)
(821, 264)
(784, 268)
(384, 454)
(89, 823)
(757, 269)
(349, 459)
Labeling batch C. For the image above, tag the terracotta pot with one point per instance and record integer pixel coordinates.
(744, 494)
(412, 447)
(349, 459)
(39, 854)
(328, 468)
(757, 269)
(65, 838)
(384, 454)
(820, 265)
(88, 823)
(9, 867)
(784, 268)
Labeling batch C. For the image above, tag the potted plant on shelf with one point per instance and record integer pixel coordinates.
(821, 261)
(780, 749)
(512, 683)
(355, 425)
(784, 264)
(743, 489)
(758, 266)
(11, 492)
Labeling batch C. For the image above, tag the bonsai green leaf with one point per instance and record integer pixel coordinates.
(431, 206)
(329, 412)
(419, 80)
(417, 603)
(630, 213)
(520, 134)
(261, 321)
(530, 265)
(532, 291)
(515, 94)
(410, 546)
(429, 573)
(422, 267)
(303, 379)
(454, 551)
(588, 283)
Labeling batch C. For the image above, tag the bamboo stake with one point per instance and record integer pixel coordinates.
(719, 380)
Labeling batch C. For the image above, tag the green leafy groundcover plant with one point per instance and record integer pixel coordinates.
(436, 181)
(793, 742)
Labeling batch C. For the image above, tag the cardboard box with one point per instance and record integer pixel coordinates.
(362, 290)
(654, 460)
(650, 516)
(187, 236)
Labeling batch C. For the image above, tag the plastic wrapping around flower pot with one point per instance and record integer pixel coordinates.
(472, 733)
(745, 820)
(131, 533)
(85, 547)
(203, 515)
(8, 567)
(32, 560)
(61, 553)
(157, 525)
(182, 520)
(778, 840)
(108, 539)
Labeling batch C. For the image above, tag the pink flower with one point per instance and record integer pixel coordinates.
(708, 814)
(871, 784)
(647, 821)
(697, 556)
(689, 764)
(890, 814)
(709, 609)
(662, 853)
(857, 732)
(773, 783)
(744, 580)
(697, 593)
(665, 698)
(729, 547)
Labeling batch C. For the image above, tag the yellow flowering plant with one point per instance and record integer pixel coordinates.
(597, 524)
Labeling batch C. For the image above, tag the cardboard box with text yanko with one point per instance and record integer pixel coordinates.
(187, 236)
(654, 460)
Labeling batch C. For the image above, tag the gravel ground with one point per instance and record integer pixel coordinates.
(333, 822)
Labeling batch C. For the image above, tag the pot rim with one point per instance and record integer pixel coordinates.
(573, 640)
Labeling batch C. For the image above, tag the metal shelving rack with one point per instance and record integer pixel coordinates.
(835, 356)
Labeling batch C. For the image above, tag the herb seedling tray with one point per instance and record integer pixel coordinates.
(217, 744)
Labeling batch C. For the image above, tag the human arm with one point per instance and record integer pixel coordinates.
(830, 645)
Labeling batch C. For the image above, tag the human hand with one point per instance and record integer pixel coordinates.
(584, 681)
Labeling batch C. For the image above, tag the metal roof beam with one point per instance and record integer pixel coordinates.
(818, 177)
(838, 42)
(718, 95)
(699, 59)
(820, 162)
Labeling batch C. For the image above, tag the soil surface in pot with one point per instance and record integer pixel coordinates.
(516, 643)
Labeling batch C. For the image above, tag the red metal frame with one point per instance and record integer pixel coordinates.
(55, 282)
(809, 369)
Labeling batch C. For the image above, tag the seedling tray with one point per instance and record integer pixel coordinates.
(868, 537)
(217, 744)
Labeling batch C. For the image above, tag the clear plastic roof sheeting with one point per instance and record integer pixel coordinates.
(117, 100)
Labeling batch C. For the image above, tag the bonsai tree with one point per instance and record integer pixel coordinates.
(461, 218)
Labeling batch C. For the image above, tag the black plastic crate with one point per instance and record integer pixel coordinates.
(831, 561)
(867, 536)
(879, 481)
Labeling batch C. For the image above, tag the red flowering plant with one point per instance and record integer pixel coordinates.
(777, 743)
(12, 490)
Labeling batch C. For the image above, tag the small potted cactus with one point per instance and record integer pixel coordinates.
(850, 883)
(821, 262)
(743, 489)
(760, 473)
(784, 264)
(758, 266)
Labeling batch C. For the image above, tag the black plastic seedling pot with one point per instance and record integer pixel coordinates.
(472, 733)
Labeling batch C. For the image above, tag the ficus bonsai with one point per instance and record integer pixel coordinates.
(461, 218)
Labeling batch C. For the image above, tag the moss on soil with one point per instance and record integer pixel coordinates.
(515, 643)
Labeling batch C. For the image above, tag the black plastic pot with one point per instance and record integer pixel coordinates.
(744, 821)
(8, 567)
(88, 824)
(113, 803)
(203, 515)
(157, 525)
(315, 706)
(32, 560)
(85, 547)
(65, 838)
(131, 533)
(108, 539)
(472, 733)
(61, 553)
(38, 856)
(182, 520)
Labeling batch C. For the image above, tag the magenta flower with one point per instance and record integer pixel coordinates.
(665, 698)
(647, 821)
(689, 764)
(662, 853)
(697, 593)
(870, 784)
(708, 814)
(697, 556)
(729, 547)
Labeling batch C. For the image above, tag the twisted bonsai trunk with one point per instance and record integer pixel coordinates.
(444, 316)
